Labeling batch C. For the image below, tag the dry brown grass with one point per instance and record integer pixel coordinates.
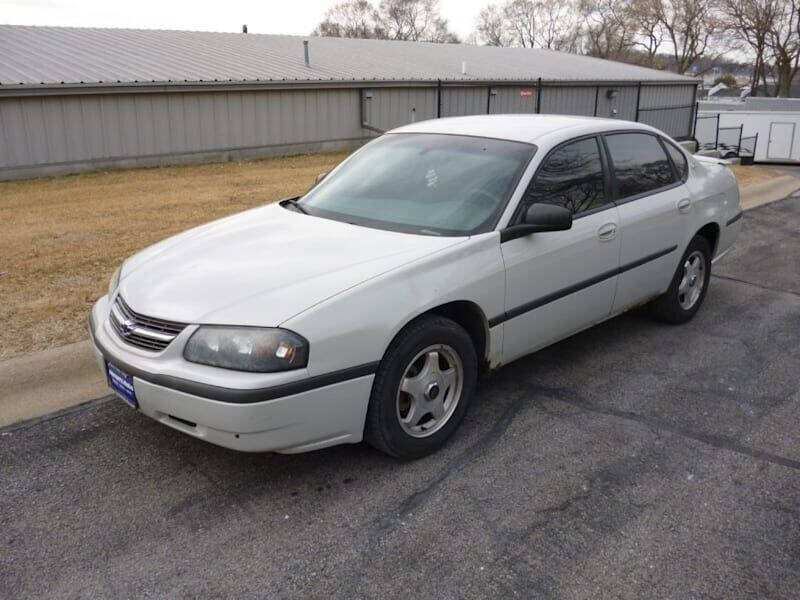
(752, 174)
(63, 237)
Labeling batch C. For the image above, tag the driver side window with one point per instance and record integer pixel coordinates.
(572, 177)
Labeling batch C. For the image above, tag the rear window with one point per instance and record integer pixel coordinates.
(678, 159)
(640, 163)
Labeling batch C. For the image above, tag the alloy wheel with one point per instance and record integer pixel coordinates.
(429, 390)
(691, 286)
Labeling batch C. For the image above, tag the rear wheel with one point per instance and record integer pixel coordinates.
(422, 389)
(688, 287)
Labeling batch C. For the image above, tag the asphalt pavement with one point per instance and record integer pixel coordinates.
(633, 460)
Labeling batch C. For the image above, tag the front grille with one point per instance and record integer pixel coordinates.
(144, 332)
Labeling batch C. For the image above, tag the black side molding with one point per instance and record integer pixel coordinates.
(239, 396)
(735, 218)
(557, 295)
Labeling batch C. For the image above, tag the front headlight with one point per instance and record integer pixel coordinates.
(253, 349)
(114, 283)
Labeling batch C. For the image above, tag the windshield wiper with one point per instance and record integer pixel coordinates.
(296, 205)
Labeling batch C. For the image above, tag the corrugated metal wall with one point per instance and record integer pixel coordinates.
(81, 132)
(670, 108)
(515, 99)
(387, 108)
(458, 101)
(617, 102)
(568, 100)
(54, 130)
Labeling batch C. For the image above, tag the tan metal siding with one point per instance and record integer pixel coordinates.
(458, 101)
(666, 95)
(128, 125)
(5, 158)
(16, 141)
(509, 100)
(387, 108)
(63, 129)
(624, 103)
(34, 126)
(109, 116)
(674, 122)
(37, 132)
(568, 100)
(668, 107)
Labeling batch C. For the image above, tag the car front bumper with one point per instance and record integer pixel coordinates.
(308, 417)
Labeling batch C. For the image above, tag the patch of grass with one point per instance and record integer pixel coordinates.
(746, 175)
(64, 236)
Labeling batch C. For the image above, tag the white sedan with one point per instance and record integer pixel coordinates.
(367, 308)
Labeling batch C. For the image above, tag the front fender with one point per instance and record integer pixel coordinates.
(356, 326)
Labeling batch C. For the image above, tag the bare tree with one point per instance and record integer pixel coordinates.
(608, 28)
(529, 23)
(558, 28)
(491, 27)
(649, 35)
(751, 22)
(416, 20)
(521, 19)
(691, 27)
(351, 19)
(783, 41)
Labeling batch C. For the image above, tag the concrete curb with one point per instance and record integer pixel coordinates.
(768, 191)
(39, 384)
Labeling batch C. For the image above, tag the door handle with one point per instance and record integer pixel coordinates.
(607, 232)
(684, 205)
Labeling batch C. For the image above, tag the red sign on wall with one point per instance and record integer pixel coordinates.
(526, 93)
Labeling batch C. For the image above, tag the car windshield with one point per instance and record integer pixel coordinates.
(423, 183)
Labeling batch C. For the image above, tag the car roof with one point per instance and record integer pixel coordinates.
(529, 128)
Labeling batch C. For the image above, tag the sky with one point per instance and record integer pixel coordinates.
(296, 17)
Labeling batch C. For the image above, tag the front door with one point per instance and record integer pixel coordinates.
(560, 282)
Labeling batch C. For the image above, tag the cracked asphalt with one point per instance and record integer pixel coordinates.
(632, 460)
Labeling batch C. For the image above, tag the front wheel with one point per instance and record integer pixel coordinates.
(422, 388)
(688, 287)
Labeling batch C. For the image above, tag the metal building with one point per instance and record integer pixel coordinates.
(75, 99)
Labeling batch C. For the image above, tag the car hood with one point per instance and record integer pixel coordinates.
(262, 266)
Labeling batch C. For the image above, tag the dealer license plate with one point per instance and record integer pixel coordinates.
(122, 384)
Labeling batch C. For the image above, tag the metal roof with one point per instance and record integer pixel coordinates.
(67, 56)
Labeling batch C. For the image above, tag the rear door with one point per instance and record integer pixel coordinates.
(654, 211)
(560, 282)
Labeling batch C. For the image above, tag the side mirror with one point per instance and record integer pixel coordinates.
(548, 217)
(320, 177)
(538, 218)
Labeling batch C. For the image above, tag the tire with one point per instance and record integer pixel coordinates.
(682, 300)
(418, 419)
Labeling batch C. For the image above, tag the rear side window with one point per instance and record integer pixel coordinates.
(640, 164)
(572, 177)
(678, 159)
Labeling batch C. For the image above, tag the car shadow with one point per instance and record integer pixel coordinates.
(251, 475)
